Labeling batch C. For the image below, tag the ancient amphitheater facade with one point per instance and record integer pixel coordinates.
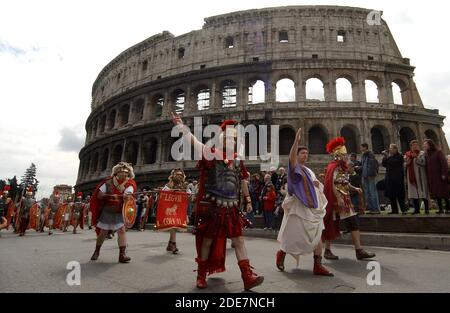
(257, 67)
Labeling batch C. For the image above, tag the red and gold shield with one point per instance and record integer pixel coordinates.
(129, 212)
(59, 216)
(46, 215)
(171, 211)
(35, 217)
(12, 209)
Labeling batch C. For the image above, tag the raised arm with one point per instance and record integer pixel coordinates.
(198, 145)
(294, 149)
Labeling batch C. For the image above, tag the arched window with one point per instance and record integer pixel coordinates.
(87, 166)
(94, 130)
(131, 152)
(102, 124)
(371, 92)
(257, 92)
(158, 104)
(285, 90)
(203, 96)
(379, 143)
(94, 163)
(124, 114)
(150, 148)
(111, 119)
(286, 139)
(397, 93)
(430, 134)
(406, 135)
(351, 141)
(180, 99)
(117, 154)
(104, 161)
(344, 91)
(229, 94)
(315, 90)
(139, 110)
(317, 140)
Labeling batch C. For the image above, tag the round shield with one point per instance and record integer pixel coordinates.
(129, 212)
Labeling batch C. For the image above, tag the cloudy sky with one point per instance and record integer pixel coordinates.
(52, 51)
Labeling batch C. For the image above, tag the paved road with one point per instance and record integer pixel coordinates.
(37, 263)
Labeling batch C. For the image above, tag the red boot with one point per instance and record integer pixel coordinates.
(280, 260)
(201, 274)
(250, 279)
(319, 269)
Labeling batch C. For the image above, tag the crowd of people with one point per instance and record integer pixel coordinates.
(308, 208)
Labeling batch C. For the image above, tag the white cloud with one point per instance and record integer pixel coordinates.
(52, 51)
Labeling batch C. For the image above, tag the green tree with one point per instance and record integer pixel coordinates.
(29, 179)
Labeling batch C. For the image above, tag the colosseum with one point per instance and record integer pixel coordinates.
(327, 69)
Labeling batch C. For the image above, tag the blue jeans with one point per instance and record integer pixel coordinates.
(371, 194)
(251, 217)
(268, 219)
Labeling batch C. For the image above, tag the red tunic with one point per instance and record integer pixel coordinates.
(96, 204)
(214, 222)
(332, 230)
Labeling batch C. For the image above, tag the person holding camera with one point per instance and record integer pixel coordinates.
(394, 180)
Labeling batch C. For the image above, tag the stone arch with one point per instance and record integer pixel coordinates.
(117, 154)
(94, 129)
(150, 149)
(138, 109)
(380, 139)
(314, 88)
(285, 90)
(124, 114)
(229, 93)
(256, 91)
(286, 139)
(203, 96)
(131, 152)
(171, 141)
(372, 90)
(400, 92)
(158, 102)
(431, 134)
(111, 119)
(102, 124)
(351, 135)
(87, 166)
(94, 163)
(344, 90)
(406, 135)
(104, 160)
(317, 140)
(179, 100)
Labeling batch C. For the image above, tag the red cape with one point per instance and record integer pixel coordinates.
(96, 204)
(331, 230)
(217, 254)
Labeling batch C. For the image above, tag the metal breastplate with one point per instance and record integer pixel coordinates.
(222, 184)
(54, 206)
(342, 182)
(28, 203)
(77, 207)
(110, 205)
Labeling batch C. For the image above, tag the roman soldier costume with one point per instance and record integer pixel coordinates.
(177, 181)
(77, 214)
(106, 205)
(53, 207)
(218, 214)
(337, 191)
(24, 211)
